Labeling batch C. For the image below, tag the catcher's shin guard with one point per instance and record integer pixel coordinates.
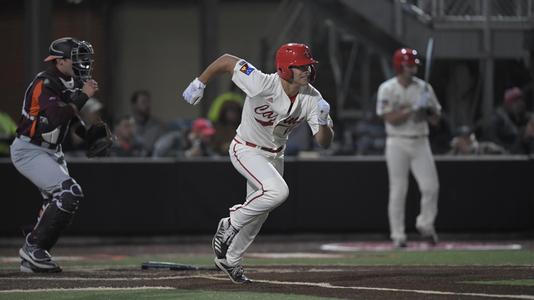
(57, 215)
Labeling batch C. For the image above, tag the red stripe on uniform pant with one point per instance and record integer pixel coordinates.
(245, 168)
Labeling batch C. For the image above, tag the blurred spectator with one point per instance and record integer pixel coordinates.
(440, 135)
(147, 128)
(225, 115)
(8, 129)
(461, 96)
(527, 141)
(301, 139)
(226, 125)
(187, 141)
(507, 126)
(370, 135)
(465, 143)
(223, 99)
(125, 144)
(199, 139)
(172, 143)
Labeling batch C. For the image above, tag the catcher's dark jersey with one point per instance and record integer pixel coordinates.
(45, 107)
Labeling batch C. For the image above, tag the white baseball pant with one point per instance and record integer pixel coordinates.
(403, 155)
(266, 190)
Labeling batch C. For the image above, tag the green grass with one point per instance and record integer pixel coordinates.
(151, 295)
(404, 258)
(520, 282)
(399, 258)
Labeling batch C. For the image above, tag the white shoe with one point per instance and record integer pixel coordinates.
(429, 235)
(399, 244)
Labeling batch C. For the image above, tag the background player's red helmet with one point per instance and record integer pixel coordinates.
(405, 56)
(294, 55)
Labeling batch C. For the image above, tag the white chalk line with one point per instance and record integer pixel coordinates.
(428, 292)
(52, 278)
(89, 289)
(224, 278)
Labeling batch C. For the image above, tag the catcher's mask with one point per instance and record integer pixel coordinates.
(80, 52)
(294, 55)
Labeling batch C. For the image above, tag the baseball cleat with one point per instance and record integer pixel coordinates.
(27, 267)
(223, 237)
(236, 273)
(37, 260)
(428, 235)
(399, 244)
(432, 238)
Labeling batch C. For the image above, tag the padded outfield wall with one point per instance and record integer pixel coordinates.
(330, 195)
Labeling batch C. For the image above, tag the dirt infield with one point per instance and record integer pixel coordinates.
(323, 280)
(380, 282)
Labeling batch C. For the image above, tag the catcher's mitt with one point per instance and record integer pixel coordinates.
(99, 139)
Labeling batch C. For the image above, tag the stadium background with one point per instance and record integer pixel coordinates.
(160, 45)
(139, 209)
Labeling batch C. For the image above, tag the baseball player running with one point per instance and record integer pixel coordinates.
(275, 104)
(407, 103)
(52, 99)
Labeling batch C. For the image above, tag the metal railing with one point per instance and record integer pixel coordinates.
(473, 10)
(285, 25)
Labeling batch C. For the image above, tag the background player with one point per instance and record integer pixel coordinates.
(51, 101)
(406, 103)
(275, 104)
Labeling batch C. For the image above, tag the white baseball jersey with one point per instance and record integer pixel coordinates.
(268, 114)
(393, 96)
(408, 149)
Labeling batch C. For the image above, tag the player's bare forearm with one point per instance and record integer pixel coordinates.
(324, 136)
(224, 64)
(399, 116)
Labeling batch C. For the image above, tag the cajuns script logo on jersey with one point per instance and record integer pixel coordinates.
(285, 126)
(264, 115)
(245, 68)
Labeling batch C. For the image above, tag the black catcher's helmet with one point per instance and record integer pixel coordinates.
(80, 52)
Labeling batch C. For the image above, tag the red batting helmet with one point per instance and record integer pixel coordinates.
(405, 56)
(294, 55)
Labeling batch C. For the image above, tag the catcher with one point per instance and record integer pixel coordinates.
(52, 100)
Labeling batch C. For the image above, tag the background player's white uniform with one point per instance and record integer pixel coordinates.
(267, 119)
(407, 148)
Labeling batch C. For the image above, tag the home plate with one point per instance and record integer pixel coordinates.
(417, 246)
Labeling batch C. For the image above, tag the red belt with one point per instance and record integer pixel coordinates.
(260, 147)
